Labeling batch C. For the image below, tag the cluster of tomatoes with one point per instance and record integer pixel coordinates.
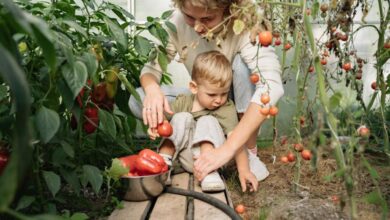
(98, 96)
(146, 162)
(298, 147)
(266, 37)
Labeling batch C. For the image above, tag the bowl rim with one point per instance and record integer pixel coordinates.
(139, 177)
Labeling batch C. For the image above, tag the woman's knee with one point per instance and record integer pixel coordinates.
(207, 119)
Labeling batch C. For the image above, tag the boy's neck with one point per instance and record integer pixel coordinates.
(196, 106)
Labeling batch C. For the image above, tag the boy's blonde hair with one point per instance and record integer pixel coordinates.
(214, 67)
(208, 4)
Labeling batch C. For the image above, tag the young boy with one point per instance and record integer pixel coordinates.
(203, 118)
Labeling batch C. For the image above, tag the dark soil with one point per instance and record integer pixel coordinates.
(315, 197)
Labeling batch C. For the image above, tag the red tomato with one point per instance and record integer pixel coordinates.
(323, 61)
(254, 78)
(284, 159)
(264, 111)
(278, 42)
(373, 85)
(129, 161)
(265, 98)
(363, 131)
(311, 69)
(298, 147)
(343, 37)
(265, 38)
(92, 119)
(80, 96)
(240, 208)
(99, 92)
(4, 157)
(306, 154)
(291, 157)
(165, 129)
(387, 45)
(335, 198)
(302, 120)
(147, 166)
(273, 110)
(347, 66)
(287, 46)
(359, 74)
(147, 153)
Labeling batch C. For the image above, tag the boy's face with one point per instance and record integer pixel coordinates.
(201, 19)
(209, 96)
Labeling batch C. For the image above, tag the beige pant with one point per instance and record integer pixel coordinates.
(188, 133)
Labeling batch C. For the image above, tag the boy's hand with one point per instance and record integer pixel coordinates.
(248, 179)
(153, 134)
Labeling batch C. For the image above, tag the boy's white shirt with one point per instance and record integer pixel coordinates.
(181, 42)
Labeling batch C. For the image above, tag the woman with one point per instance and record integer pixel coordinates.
(193, 20)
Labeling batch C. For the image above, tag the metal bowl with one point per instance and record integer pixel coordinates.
(142, 188)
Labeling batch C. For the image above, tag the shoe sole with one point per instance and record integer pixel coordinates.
(213, 189)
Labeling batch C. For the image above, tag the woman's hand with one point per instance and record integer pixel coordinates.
(248, 179)
(205, 163)
(153, 134)
(155, 103)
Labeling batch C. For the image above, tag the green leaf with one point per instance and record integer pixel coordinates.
(72, 179)
(68, 149)
(238, 26)
(48, 217)
(335, 100)
(25, 202)
(163, 61)
(75, 77)
(47, 122)
(107, 123)
(171, 26)
(93, 175)
(77, 27)
(3, 92)
(91, 63)
(117, 32)
(166, 14)
(117, 169)
(79, 216)
(142, 45)
(53, 181)
(43, 36)
(373, 198)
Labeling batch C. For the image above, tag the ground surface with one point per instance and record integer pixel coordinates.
(316, 198)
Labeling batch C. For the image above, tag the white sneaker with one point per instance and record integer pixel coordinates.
(212, 183)
(257, 167)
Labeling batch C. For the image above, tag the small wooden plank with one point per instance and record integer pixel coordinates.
(206, 211)
(131, 210)
(169, 206)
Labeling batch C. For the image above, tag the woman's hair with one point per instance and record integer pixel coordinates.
(214, 67)
(208, 4)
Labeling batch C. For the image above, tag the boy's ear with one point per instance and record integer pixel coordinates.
(193, 87)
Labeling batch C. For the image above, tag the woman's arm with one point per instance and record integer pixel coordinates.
(244, 174)
(216, 158)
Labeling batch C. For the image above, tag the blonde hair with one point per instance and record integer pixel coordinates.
(214, 67)
(208, 4)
